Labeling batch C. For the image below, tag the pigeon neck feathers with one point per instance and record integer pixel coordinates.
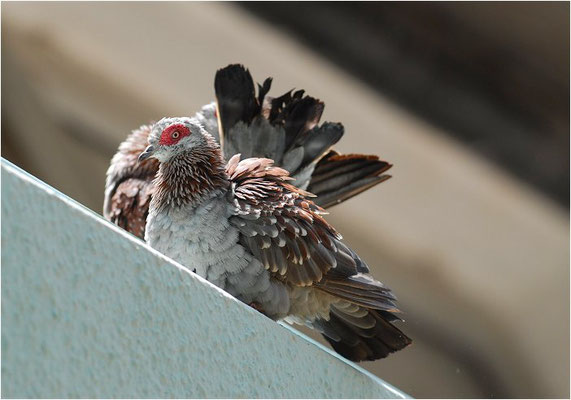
(189, 176)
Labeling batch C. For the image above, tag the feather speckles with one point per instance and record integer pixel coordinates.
(283, 228)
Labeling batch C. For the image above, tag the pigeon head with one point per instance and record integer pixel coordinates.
(172, 136)
(190, 162)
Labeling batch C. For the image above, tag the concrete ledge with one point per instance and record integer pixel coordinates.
(90, 311)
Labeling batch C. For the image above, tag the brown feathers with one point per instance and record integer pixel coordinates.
(279, 224)
(130, 205)
(286, 232)
(129, 185)
(189, 176)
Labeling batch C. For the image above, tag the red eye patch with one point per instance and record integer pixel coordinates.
(173, 133)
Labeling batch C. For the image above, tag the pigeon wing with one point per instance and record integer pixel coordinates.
(278, 224)
(129, 184)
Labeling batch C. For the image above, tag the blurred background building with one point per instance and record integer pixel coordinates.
(469, 101)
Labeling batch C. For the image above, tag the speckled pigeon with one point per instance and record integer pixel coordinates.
(283, 129)
(245, 227)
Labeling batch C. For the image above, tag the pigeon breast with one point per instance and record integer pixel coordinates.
(201, 238)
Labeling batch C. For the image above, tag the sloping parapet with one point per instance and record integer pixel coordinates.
(90, 311)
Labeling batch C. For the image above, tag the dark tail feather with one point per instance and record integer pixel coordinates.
(337, 177)
(360, 322)
(235, 96)
(367, 335)
(298, 114)
(286, 129)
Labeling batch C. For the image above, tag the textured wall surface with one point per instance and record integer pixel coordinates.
(90, 311)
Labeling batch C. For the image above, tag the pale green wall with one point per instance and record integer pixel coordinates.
(90, 311)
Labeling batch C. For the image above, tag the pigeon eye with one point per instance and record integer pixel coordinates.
(173, 133)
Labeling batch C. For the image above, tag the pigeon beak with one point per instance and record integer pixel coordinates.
(147, 153)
